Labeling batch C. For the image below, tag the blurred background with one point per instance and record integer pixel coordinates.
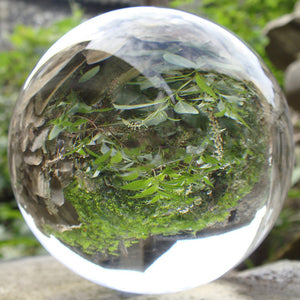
(29, 27)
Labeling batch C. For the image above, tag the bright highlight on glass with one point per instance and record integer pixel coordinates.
(150, 150)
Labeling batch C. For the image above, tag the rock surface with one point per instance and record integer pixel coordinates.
(292, 84)
(284, 39)
(42, 277)
(284, 51)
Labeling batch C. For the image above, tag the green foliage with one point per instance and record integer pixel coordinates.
(27, 46)
(15, 237)
(5, 112)
(246, 18)
(194, 165)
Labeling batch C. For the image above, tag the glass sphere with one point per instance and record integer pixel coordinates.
(150, 150)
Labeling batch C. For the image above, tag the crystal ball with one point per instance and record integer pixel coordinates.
(150, 150)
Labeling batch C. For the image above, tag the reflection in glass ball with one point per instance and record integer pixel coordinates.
(150, 150)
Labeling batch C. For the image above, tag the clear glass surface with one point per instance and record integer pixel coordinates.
(150, 150)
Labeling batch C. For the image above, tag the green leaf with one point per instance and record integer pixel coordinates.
(89, 74)
(220, 114)
(207, 181)
(189, 158)
(165, 195)
(127, 166)
(235, 99)
(235, 116)
(147, 192)
(182, 107)
(79, 122)
(174, 120)
(99, 110)
(209, 159)
(91, 152)
(136, 185)
(141, 105)
(178, 60)
(156, 118)
(79, 107)
(116, 158)
(172, 186)
(154, 199)
(204, 86)
(81, 151)
(130, 175)
(103, 158)
(55, 131)
(222, 109)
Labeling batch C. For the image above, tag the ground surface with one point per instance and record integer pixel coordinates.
(43, 278)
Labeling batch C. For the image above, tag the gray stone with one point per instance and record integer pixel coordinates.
(284, 51)
(292, 84)
(279, 280)
(45, 12)
(42, 277)
(284, 39)
(13, 12)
